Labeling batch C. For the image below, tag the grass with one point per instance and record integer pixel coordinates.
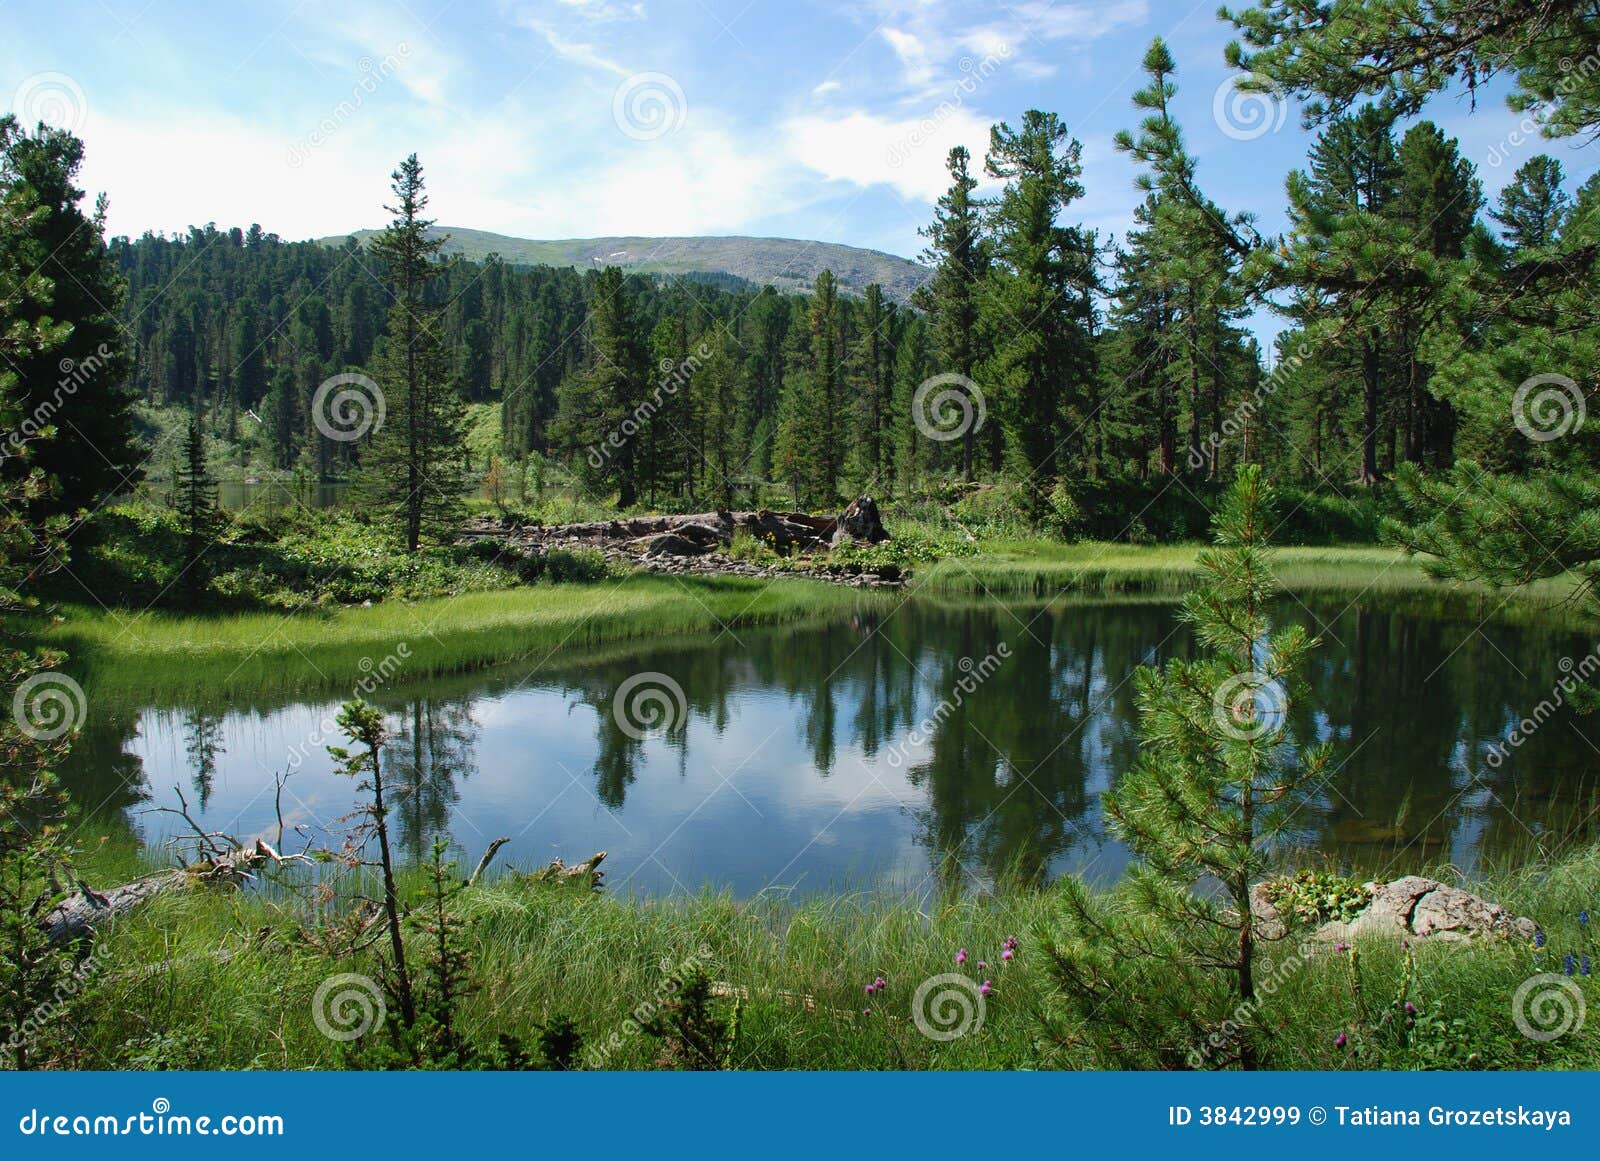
(161, 655)
(164, 998)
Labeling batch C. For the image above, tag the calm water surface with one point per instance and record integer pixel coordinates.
(818, 757)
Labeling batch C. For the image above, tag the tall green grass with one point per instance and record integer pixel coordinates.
(159, 655)
(165, 998)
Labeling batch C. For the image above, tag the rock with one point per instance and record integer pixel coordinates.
(1416, 908)
(860, 521)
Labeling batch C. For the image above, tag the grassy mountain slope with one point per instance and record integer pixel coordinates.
(787, 263)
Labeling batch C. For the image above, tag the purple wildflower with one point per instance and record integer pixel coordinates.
(1538, 939)
(1007, 953)
(985, 988)
(1338, 1041)
(1569, 965)
(880, 983)
(961, 957)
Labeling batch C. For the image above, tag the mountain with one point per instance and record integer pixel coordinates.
(787, 263)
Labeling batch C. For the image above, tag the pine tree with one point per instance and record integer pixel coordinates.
(719, 401)
(602, 413)
(1167, 965)
(1533, 206)
(1037, 305)
(415, 466)
(76, 283)
(198, 514)
(957, 252)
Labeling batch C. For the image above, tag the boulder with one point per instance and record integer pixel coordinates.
(1416, 908)
(860, 521)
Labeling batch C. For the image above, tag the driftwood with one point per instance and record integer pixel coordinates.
(79, 915)
(559, 872)
(488, 857)
(701, 532)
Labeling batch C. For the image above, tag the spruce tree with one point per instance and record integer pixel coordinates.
(957, 252)
(415, 468)
(601, 418)
(198, 514)
(1037, 305)
(81, 379)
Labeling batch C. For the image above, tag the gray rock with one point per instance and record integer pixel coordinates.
(1416, 908)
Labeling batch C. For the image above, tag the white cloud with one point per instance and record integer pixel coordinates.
(576, 51)
(907, 154)
(826, 87)
(913, 55)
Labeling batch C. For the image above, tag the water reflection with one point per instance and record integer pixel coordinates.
(888, 745)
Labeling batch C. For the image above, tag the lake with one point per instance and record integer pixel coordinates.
(927, 744)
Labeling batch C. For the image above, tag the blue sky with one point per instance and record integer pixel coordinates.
(576, 118)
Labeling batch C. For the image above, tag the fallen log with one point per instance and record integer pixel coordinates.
(79, 915)
(559, 872)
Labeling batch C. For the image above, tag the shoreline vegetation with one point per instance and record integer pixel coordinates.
(790, 973)
(166, 654)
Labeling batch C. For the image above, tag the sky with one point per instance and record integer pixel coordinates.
(581, 118)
